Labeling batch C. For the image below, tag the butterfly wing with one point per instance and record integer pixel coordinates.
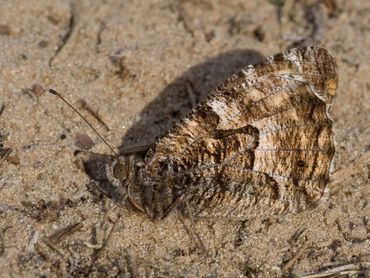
(261, 144)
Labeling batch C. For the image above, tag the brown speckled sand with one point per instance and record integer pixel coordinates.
(131, 61)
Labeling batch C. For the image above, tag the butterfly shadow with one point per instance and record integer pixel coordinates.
(180, 96)
(171, 104)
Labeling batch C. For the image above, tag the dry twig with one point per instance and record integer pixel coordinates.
(342, 271)
(295, 258)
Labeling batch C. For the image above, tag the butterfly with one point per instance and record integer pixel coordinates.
(261, 144)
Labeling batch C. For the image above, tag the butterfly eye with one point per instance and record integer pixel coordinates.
(119, 172)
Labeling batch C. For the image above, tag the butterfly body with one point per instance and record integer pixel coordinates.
(260, 144)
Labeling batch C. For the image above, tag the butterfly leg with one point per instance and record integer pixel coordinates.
(173, 205)
(192, 232)
(132, 200)
(135, 149)
(191, 93)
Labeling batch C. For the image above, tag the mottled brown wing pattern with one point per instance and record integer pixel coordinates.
(261, 144)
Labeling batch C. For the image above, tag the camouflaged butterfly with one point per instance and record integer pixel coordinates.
(260, 144)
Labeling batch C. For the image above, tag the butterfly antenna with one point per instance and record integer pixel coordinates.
(83, 118)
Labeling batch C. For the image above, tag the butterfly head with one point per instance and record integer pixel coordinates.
(119, 171)
(123, 173)
(149, 194)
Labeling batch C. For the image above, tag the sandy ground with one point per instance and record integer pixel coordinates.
(131, 62)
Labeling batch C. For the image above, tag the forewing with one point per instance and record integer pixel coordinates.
(261, 144)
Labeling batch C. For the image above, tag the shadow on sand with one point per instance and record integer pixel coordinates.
(174, 102)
